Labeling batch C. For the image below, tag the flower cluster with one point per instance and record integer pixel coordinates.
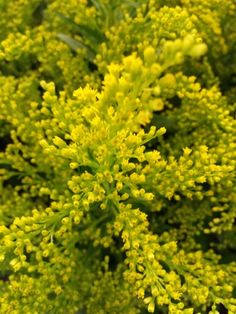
(117, 157)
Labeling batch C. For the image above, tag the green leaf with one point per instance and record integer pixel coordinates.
(38, 14)
(93, 35)
(75, 45)
(96, 4)
(100, 7)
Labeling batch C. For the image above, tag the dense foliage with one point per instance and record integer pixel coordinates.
(117, 156)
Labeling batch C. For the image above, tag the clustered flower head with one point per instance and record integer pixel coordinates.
(117, 156)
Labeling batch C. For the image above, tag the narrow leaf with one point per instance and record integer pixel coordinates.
(75, 45)
(89, 33)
